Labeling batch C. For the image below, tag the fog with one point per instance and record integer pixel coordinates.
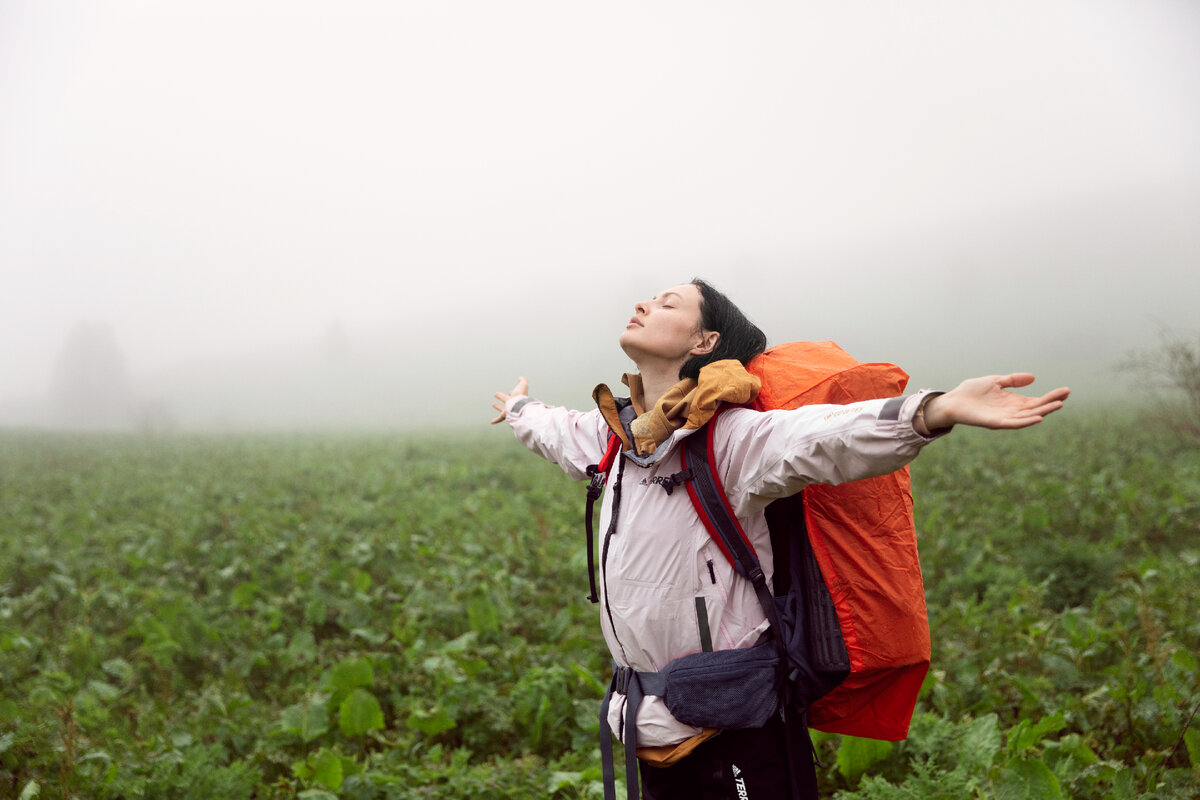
(278, 215)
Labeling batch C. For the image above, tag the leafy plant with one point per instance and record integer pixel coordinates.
(397, 616)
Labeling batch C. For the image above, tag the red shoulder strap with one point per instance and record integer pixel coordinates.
(610, 453)
(708, 497)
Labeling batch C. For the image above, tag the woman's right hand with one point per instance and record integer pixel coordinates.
(520, 390)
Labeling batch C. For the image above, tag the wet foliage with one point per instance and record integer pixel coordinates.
(404, 616)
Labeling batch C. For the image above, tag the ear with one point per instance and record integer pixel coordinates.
(708, 342)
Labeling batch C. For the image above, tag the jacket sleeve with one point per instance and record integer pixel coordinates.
(765, 455)
(572, 439)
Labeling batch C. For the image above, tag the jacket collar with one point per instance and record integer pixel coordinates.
(684, 408)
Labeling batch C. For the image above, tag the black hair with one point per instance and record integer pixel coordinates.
(740, 338)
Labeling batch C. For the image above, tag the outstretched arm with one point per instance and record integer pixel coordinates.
(572, 439)
(521, 389)
(987, 403)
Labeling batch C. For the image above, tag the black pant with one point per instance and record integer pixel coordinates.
(749, 764)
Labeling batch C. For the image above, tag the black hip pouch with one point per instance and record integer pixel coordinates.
(727, 689)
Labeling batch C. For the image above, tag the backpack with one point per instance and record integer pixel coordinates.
(862, 539)
(851, 644)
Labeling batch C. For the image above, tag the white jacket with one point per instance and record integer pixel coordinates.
(660, 557)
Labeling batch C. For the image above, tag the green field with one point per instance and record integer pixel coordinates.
(402, 616)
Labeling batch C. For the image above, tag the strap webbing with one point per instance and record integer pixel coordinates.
(606, 748)
(635, 686)
(598, 474)
(702, 624)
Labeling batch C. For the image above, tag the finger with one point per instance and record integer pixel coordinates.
(1061, 393)
(1015, 380)
(1047, 408)
(1051, 400)
(498, 418)
(1022, 419)
(522, 387)
(1030, 415)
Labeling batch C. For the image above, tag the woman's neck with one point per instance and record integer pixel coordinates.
(657, 379)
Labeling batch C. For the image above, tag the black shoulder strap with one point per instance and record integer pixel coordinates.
(598, 474)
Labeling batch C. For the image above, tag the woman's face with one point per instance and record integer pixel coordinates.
(667, 327)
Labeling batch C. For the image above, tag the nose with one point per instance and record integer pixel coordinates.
(639, 308)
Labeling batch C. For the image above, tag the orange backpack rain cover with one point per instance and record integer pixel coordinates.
(865, 543)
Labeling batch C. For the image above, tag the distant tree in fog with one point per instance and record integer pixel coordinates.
(1169, 376)
(89, 386)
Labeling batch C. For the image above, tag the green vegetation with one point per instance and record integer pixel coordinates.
(401, 616)
(1061, 576)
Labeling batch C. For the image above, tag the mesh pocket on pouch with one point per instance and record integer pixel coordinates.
(727, 689)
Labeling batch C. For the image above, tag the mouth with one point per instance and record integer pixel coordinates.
(634, 321)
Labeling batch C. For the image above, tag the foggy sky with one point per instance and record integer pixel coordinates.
(296, 213)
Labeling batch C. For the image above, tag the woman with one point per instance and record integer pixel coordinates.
(690, 345)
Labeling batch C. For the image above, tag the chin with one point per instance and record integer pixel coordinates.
(627, 346)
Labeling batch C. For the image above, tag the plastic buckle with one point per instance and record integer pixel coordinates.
(596, 486)
(623, 674)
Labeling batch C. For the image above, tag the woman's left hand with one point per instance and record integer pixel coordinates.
(986, 402)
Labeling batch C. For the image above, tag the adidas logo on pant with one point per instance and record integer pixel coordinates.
(739, 783)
